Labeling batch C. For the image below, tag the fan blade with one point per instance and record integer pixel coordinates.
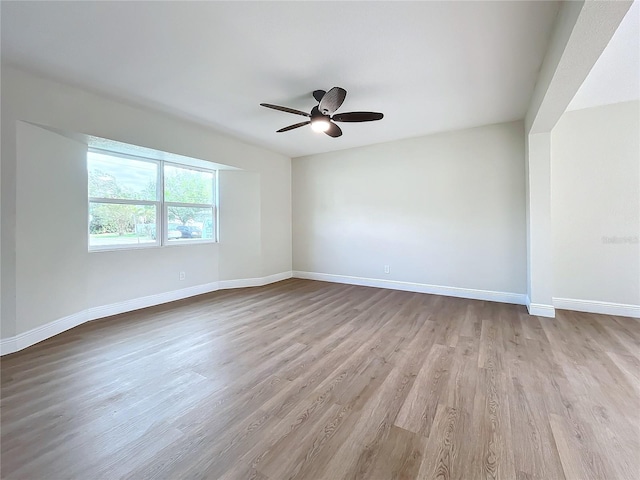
(334, 130)
(357, 117)
(291, 127)
(318, 94)
(332, 100)
(285, 109)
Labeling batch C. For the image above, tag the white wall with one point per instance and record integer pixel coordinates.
(446, 210)
(109, 277)
(582, 31)
(240, 233)
(596, 204)
(51, 233)
(538, 213)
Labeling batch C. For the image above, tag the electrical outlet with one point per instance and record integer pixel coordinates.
(182, 276)
(387, 269)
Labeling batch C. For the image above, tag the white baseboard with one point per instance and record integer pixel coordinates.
(8, 345)
(102, 311)
(254, 282)
(38, 334)
(489, 295)
(591, 306)
(541, 310)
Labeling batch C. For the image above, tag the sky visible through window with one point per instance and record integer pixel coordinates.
(131, 175)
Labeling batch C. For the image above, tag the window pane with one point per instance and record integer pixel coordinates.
(184, 185)
(117, 177)
(114, 224)
(189, 223)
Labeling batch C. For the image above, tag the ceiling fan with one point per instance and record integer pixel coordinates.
(321, 118)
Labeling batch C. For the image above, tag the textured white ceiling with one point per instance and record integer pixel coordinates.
(615, 77)
(428, 66)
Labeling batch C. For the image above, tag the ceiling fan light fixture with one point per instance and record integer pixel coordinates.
(320, 124)
(321, 117)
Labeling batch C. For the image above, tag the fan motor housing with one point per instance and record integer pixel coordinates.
(316, 113)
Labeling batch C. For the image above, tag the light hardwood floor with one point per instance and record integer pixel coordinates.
(313, 380)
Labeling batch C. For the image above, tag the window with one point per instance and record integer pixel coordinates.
(138, 202)
(188, 201)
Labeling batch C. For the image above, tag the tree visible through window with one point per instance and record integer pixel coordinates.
(129, 208)
(188, 197)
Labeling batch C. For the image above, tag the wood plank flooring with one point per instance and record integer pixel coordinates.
(313, 380)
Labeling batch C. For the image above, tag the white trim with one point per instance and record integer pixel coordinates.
(541, 310)
(102, 311)
(593, 306)
(123, 201)
(8, 345)
(254, 282)
(475, 294)
(38, 334)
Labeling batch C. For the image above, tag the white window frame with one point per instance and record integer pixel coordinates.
(162, 216)
(212, 206)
